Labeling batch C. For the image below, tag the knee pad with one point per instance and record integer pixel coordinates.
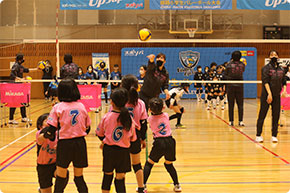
(200, 91)
(107, 181)
(137, 167)
(209, 97)
(222, 97)
(181, 109)
(197, 91)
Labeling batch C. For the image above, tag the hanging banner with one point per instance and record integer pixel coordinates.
(101, 4)
(15, 94)
(264, 4)
(90, 96)
(190, 4)
(181, 63)
(285, 101)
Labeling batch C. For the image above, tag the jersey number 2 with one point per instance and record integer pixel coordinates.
(74, 114)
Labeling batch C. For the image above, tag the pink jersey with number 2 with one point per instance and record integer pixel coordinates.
(160, 125)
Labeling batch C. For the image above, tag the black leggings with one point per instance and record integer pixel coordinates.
(264, 107)
(236, 93)
(12, 111)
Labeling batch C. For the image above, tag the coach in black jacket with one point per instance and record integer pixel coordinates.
(234, 71)
(273, 77)
(155, 80)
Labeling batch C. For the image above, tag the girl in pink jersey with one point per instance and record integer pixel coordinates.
(116, 130)
(46, 156)
(71, 120)
(163, 145)
(138, 111)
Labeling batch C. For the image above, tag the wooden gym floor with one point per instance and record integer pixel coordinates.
(211, 156)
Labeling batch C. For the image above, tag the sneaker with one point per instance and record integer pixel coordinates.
(24, 120)
(145, 189)
(198, 99)
(259, 139)
(241, 123)
(274, 139)
(223, 107)
(231, 123)
(12, 122)
(177, 188)
(208, 108)
(179, 126)
(214, 107)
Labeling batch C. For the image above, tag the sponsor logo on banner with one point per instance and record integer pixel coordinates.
(264, 4)
(87, 97)
(134, 52)
(250, 53)
(275, 3)
(189, 59)
(101, 4)
(10, 93)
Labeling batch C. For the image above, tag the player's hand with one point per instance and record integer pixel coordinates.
(269, 99)
(151, 57)
(102, 146)
(143, 144)
(284, 94)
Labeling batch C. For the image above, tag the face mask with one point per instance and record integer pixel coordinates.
(102, 66)
(159, 63)
(80, 72)
(90, 70)
(274, 60)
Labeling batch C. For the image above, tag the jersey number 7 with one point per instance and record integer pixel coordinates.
(74, 114)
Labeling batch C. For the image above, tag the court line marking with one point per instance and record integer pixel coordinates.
(15, 154)
(17, 158)
(251, 139)
(9, 144)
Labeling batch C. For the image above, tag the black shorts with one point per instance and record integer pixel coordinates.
(104, 85)
(167, 102)
(163, 146)
(135, 147)
(72, 150)
(198, 85)
(116, 158)
(45, 174)
(52, 92)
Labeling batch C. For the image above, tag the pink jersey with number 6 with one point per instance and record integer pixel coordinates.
(73, 119)
(113, 131)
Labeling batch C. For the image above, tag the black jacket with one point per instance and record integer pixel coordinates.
(275, 77)
(17, 70)
(234, 71)
(47, 73)
(155, 81)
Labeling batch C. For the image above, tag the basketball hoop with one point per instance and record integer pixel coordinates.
(191, 32)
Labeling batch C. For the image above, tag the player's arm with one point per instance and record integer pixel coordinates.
(151, 64)
(49, 132)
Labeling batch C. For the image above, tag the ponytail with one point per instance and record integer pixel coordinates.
(125, 118)
(133, 96)
(130, 83)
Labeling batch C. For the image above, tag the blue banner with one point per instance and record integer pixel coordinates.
(101, 4)
(190, 4)
(264, 4)
(181, 63)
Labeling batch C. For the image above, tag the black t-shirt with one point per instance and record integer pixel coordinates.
(275, 77)
(155, 80)
(234, 71)
(47, 73)
(17, 70)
